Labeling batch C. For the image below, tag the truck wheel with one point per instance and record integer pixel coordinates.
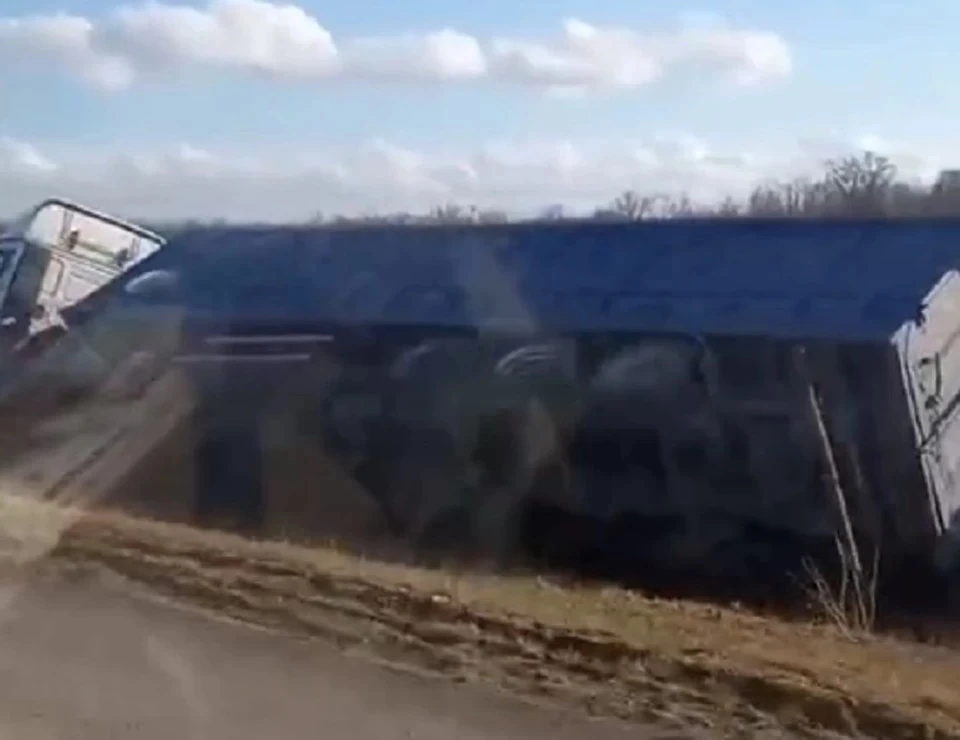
(462, 489)
(418, 464)
(523, 476)
(418, 481)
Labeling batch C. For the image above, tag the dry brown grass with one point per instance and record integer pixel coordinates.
(614, 651)
(851, 604)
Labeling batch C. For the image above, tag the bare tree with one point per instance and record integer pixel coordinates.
(796, 198)
(553, 212)
(861, 183)
(680, 207)
(866, 184)
(943, 198)
(492, 216)
(633, 206)
(452, 213)
(729, 208)
(608, 214)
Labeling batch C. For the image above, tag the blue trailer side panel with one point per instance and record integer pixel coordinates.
(839, 280)
(850, 288)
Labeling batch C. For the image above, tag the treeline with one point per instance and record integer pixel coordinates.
(865, 185)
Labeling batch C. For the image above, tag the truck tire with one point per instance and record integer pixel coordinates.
(418, 481)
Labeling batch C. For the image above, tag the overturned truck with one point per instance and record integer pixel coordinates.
(55, 255)
(629, 392)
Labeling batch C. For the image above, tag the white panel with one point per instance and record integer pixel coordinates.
(97, 238)
(101, 241)
(79, 284)
(930, 357)
(52, 277)
(46, 226)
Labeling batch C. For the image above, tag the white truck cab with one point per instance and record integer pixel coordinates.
(58, 253)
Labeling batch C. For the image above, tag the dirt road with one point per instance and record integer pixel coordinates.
(94, 659)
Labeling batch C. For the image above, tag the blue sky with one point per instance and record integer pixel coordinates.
(883, 69)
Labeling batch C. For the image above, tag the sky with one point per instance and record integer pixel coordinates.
(248, 109)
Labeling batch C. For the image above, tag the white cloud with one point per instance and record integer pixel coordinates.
(155, 39)
(247, 35)
(65, 41)
(445, 54)
(589, 56)
(20, 159)
(519, 177)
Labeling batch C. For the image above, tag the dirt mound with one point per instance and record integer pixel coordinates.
(614, 651)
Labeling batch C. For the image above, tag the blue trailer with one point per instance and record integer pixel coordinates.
(638, 377)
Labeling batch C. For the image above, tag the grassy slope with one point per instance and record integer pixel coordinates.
(614, 651)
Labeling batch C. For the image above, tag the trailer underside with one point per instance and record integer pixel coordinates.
(146, 440)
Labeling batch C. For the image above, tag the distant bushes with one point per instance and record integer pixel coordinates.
(865, 185)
